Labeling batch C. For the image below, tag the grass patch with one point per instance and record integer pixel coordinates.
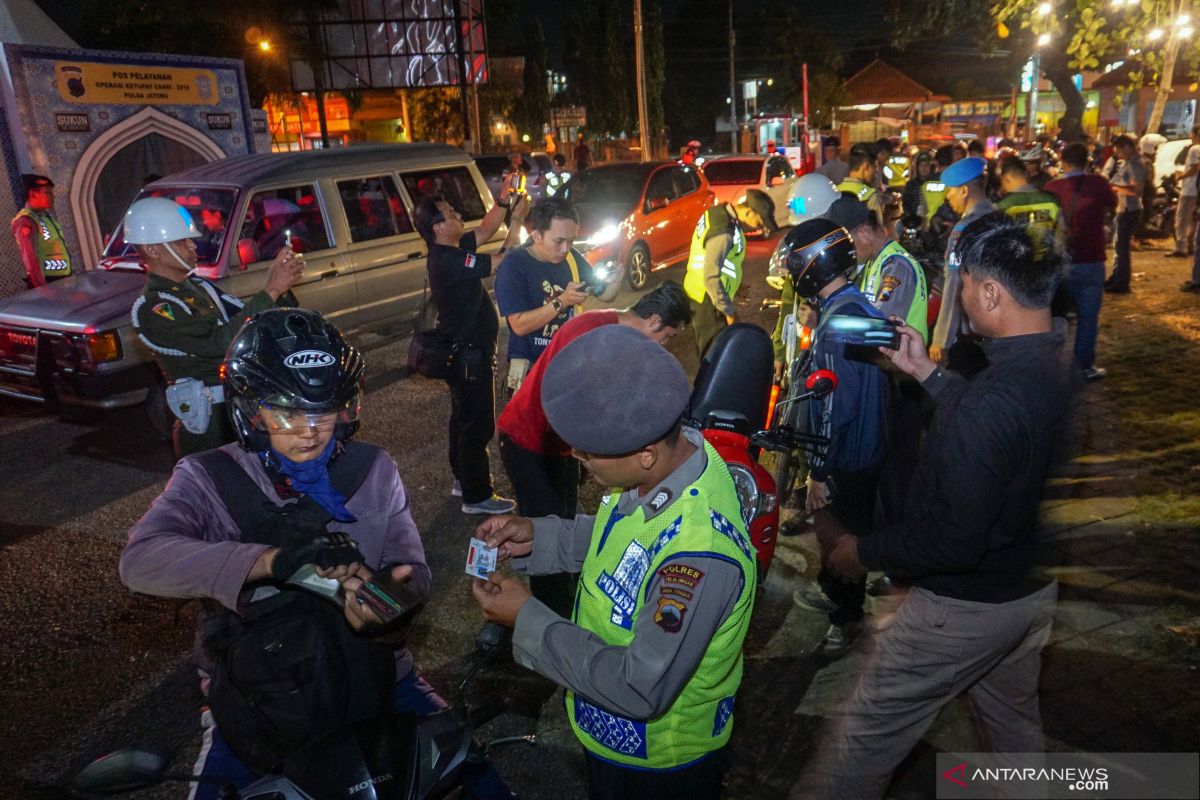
(1168, 510)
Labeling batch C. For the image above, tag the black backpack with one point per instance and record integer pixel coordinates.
(289, 670)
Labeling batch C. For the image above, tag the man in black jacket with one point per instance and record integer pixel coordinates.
(977, 616)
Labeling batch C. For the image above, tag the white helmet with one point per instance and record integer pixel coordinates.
(810, 197)
(155, 220)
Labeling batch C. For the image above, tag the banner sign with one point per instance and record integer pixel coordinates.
(120, 84)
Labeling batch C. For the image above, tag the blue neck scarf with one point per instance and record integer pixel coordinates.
(312, 478)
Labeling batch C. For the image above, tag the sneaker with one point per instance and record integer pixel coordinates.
(878, 587)
(813, 598)
(1114, 289)
(1094, 373)
(493, 505)
(456, 489)
(1189, 286)
(839, 638)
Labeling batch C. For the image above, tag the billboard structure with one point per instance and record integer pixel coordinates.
(381, 44)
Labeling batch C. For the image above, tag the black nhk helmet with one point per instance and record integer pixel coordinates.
(818, 251)
(289, 369)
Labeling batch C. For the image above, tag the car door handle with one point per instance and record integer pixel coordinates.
(330, 273)
(415, 254)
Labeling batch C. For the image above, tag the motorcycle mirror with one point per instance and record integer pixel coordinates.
(123, 771)
(821, 382)
(490, 637)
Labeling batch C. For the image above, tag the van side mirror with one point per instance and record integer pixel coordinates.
(247, 253)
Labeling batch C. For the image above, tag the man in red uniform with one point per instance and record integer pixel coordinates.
(38, 234)
(544, 475)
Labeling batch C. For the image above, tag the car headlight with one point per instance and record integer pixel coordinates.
(603, 236)
(747, 489)
(104, 347)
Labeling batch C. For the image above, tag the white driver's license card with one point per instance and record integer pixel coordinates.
(481, 559)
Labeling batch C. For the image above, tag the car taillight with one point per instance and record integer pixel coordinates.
(104, 347)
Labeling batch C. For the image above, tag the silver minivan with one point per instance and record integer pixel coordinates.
(71, 345)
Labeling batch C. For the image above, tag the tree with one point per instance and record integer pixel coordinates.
(1070, 36)
(794, 43)
(533, 110)
(656, 67)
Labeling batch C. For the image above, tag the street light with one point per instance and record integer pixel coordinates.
(1155, 34)
(265, 46)
(1044, 9)
(1043, 40)
(1035, 76)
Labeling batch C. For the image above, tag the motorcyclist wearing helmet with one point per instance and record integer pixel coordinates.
(295, 496)
(842, 480)
(188, 322)
(810, 197)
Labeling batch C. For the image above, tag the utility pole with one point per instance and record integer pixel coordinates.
(733, 135)
(640, 60)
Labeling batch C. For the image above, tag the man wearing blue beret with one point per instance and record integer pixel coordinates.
(966, 194)
(652, 655)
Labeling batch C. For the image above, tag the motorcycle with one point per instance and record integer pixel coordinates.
(1162, 210)
(730, 401)
(395, 757)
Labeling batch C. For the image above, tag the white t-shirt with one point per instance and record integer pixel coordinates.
(1188, 185)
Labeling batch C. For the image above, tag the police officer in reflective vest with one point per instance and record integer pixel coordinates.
(714, 267)
(558, 177)
(651, 657)
(38, 234)
(187, 322)
(864, 174)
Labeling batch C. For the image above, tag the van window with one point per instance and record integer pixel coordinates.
(275, 214)
(454, 183)
(210, 210)
(373, 208)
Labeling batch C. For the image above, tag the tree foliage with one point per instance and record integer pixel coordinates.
(1083, 35)
(533, 109)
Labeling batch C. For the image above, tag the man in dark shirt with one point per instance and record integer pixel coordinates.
(465, 313)
(977, 616)
(1086, 201)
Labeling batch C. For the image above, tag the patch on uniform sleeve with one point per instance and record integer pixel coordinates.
(669, 614)
(470, 262)
(164, 310)
(681, 575)
(723, 715)
(889, 285)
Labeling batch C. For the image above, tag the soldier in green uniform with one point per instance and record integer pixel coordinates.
(714, 267)
(39, 236)
(652, 655)
(188, 323)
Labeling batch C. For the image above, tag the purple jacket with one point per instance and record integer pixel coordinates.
(187, 545)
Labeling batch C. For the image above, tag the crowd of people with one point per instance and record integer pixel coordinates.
(938, 447)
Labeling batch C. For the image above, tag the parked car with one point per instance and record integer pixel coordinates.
(537, 166)
(730, 177)
(71, 344)
(640, 215)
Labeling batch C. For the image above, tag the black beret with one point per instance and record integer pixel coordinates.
(31, 181)
(613, 390)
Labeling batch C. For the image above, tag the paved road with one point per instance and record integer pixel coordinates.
(97, 667)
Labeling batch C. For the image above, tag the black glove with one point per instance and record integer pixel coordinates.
(327, 550)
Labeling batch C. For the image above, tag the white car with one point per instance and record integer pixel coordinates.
(730, 176)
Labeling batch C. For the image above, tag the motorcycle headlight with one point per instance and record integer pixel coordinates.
(747, 489)
(602, 236)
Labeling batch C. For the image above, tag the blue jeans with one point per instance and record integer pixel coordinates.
(1086, 285)
(412, 695)
(1127, 222)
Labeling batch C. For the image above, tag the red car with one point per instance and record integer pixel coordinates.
(640, 215)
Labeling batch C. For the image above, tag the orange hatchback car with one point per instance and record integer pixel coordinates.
(640, 215)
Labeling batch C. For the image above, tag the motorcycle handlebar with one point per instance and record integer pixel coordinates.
(783, 439)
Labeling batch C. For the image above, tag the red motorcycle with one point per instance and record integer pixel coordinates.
(730, 400)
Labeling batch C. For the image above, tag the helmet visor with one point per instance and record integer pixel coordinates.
(281, 420)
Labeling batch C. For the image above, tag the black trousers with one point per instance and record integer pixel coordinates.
(545, 485)
(852, 505)
(707, 322)
(700, 781)
(472, 425)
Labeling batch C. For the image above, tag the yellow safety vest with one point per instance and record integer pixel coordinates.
(54, 260)
(715, 220)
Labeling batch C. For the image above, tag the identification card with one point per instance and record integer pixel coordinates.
(481, 559)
